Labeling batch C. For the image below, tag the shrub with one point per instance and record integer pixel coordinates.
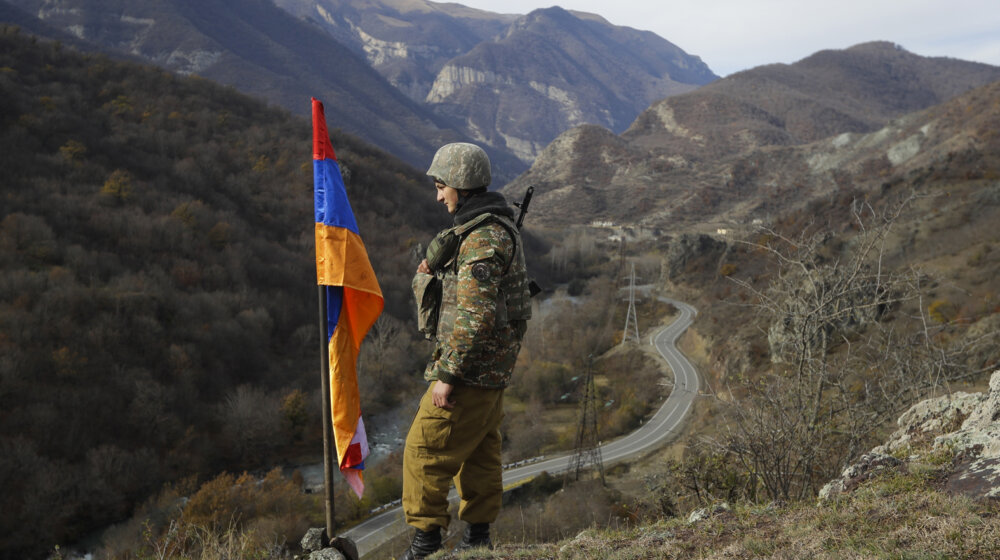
(941, 311)
(245, 501)
(295, 413)
(552, 517)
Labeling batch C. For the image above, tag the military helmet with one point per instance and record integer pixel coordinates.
(461, 166)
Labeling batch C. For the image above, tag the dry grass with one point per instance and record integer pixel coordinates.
(184, 540)
(892, 516)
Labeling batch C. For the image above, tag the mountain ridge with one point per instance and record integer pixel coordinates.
(406, 75)
(511, 82)
(709, 144)
(264, 51)
(578, 70)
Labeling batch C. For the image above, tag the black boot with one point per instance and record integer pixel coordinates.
(424, 544)
(477, 535)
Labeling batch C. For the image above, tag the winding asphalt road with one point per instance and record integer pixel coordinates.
(662, 426)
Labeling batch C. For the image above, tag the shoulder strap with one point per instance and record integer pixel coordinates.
(465, 229)
(472, 224)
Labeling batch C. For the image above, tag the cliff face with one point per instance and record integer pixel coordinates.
(407, 41)
(552, 70)
(511, 82)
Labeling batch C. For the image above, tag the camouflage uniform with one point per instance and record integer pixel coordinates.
(483, 312)
(478, 342)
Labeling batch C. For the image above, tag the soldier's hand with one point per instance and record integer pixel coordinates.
(440, 394)
(423, 268)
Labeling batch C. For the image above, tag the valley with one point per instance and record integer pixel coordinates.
(156, 320)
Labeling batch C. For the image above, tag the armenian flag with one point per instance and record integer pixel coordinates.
(353, 299)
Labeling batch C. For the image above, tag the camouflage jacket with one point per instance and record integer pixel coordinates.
(484, 308)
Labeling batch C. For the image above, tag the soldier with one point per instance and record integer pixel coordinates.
(473, 300)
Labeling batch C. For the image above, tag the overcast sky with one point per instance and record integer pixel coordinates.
(734, 35)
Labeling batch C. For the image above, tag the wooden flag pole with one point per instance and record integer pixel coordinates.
(328, 447)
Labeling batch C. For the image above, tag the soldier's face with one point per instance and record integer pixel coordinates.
(447, 196)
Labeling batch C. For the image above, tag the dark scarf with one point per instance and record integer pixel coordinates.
(483, 203)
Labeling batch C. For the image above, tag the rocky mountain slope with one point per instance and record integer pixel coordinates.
(852, 90)
(750, 144)
(406, 75)
(261, 50)
(511, 82)
(553, 70)
(407, 41)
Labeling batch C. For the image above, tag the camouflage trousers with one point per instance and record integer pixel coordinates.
(460, 444)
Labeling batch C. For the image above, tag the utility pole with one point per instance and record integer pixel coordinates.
(630, 318)
(588, 449)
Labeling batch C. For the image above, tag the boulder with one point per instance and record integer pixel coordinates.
(327, 554)
(704, 513)
(866, 467)
(314, 539)
(930, 418)
(977, 448)
(968, 424)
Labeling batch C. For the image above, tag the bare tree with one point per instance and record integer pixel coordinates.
(251, 422)
(379, 342)
(385, 361)
(840, 366)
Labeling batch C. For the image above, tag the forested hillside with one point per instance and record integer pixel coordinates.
(157, 288)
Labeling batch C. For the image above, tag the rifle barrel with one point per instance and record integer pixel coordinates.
(523, 205)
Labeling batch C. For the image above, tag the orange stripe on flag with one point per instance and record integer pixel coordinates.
(341, 260)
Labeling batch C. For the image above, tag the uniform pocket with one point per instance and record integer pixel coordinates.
(427, 292)
(435, 426)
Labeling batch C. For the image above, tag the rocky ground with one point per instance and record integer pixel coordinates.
(964, 425)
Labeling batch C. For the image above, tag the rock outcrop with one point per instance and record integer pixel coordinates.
(691, 248)
(554, 69)
(809, 316)
(512, 82)
(966, 423)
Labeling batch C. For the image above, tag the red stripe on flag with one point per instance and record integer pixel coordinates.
(322, 148)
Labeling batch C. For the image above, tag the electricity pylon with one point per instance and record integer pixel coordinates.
(588, 448)
(630, 318)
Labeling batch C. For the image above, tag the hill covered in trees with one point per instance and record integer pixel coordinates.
(157, 299)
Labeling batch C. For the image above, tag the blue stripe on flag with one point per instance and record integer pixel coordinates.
(334, 301)
(332, 206)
